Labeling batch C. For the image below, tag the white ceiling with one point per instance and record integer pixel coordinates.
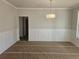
(43, 3)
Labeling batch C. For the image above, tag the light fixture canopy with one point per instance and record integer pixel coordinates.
(51, 15)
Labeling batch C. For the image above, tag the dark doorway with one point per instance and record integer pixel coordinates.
(23, 22)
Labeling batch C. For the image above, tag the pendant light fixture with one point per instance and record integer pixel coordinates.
(51, 15)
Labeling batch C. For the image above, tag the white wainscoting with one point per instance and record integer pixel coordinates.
(7, 39)
(49, 35)
(63, 35)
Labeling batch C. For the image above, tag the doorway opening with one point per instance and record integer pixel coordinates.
(23, 28)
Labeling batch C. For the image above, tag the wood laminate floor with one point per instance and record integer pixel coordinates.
(41, 50)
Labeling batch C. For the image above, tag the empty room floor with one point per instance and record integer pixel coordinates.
(41, 50)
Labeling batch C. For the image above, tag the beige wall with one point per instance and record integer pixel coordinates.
(43, 29)
(8, 19)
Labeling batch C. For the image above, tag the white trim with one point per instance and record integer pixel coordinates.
(43, 8)
(9, 4)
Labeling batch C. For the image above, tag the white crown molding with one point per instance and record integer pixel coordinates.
(9, 4)
(42, 8)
